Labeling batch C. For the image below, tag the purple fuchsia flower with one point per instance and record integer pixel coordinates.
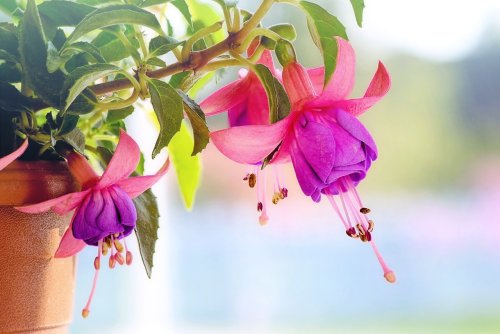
(246, 103)
(104, 211)
(8, 159)
(331, 151)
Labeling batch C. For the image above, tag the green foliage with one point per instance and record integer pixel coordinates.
(358, 6)
(167, 105)
(146, 228)
(187, 166)
(279, 104)
(323, 27)
(198, 123)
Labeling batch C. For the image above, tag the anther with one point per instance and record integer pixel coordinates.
(118, 246)
(365, 211)
(119, 259)
(85, 313)
(390, 277)
(371, 225)
(112, 262)
(351, 232)
(284, 192)
(129, 258)
(97, 263)
(276, 198)
(246, 177)
(361, 230)
(252, 180)
(260, 206)
(105, 248)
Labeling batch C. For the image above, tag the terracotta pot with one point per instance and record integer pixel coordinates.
(36, 290)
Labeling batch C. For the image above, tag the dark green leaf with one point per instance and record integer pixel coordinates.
(324, 27)
(84, 103)
(168, 108)
(161, 45)
(112, 15)
(358, 6)
(119, 114)
(75, 139)
(111, 48)
(279, 104)
(8, 38)
(12, 100)
(146, 228)
(82, 77)
(198, 123)
(64, 13)
(67, 123)
(8, 6)
(9, 72)
(33, 49)
(4, 55)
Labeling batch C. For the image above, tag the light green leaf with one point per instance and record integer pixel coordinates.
(183, 7)
(112, 15)
(146, 228)
(279, 104)
(358, 6)
(323, 27)
(64, 13)
(167, 105)
(155, 61)
(187, 166)
(198, 123)
(161, 45)
(119, 114)
(82, 77)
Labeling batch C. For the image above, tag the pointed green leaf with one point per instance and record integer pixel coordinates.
(324, 27)
(119, 114)
(82, 77)
(279, 104)
(64, 13)
(146, 228)
(33, 50)
(198, 123)
(182, 6)
(161, 45)
(187, 166)
(358, 6)
(167, 105)
(112, 15)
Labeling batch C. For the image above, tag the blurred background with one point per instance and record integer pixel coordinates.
(434, 194)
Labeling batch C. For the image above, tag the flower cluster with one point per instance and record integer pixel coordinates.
(330, 150)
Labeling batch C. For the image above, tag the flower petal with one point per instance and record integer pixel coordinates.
(69, 245)
(134, 186)
(226, 97)
(6, 160)
(124, 207)
(252, 143)
(251, 112)
(309, 182)
(123, 162)
(61, 205)
(342, 81)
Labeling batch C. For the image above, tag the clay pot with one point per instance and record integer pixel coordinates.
(36, 290)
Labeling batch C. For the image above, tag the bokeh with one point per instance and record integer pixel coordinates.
(434, 194)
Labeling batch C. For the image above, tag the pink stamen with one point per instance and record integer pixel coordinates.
(342, 199)
(128, 254)
(337, 210)
(86, 310)
(261, 189)
(388, 273)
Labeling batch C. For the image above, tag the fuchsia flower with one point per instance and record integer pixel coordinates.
(330, 150)
(8, 159)
(246, 103)
(104, 211)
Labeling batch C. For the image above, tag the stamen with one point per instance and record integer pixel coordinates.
(388, 273)
(119, 258)
(261, 189)
(86, 309)
(252, 180)
(277, 197)
(284, 193)
(259, 206)
(118, 246)
(128, 254)
(365, 211)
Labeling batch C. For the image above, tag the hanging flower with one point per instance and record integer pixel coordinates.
(246, 103)
(104, 211)
(330, 150)
(8, 159)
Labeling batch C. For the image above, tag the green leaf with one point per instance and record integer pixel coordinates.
(75, 139)
(8, 38)
(112, 15)
(146, 228)
(4, 55)
(155, 61)
(198, 123)
(183, 7)
(358, 6)
(111, 48)
(227, 3)
(67, 123)
(187, 166)
(161, 45)
(279, 104)
(323, 27)
(12, 100)
(64, 13)
(119, 114)
(82, 77)
(167, 105)
(8, 6)
(33, 50)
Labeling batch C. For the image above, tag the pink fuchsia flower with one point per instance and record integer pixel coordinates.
(8, 159)
(104, 211)
(331, 151)
(246, 103)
